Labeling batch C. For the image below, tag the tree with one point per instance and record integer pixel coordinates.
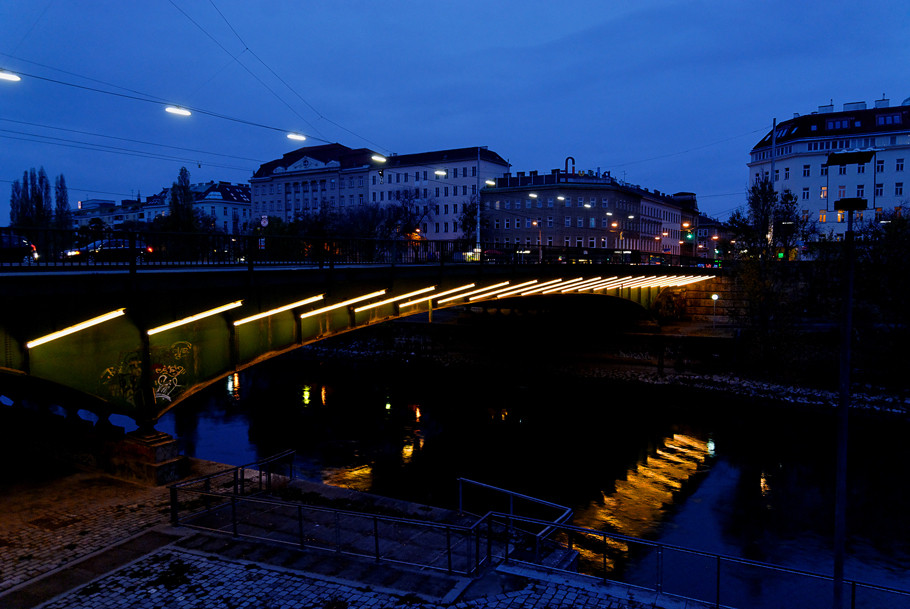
(180, 203)
(63, 216)
(15, 203)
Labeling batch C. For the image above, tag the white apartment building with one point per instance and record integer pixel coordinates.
(795, 155)
(334, 178)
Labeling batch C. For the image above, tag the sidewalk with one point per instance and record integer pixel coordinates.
(91, 541)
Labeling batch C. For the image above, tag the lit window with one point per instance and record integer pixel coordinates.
(824, 193)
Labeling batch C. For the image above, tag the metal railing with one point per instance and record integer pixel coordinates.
(692, 575)
(235, 502)
(116, 249)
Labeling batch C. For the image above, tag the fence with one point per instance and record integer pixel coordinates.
(84, 248)
(521, 530)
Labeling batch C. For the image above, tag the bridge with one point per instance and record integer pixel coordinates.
(137, 343)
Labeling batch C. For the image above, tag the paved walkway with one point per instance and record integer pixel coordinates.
(91, 541)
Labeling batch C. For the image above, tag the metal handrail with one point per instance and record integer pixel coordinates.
(718, 558)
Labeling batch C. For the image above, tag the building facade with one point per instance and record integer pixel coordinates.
(795, 155)
(335, 178)
(226, 207)
(586, 211)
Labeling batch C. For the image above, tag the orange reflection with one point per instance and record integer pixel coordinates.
(639, 501)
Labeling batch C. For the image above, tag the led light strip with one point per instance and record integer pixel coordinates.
(523, 292)
(564, 285)
(435, 296)
(288, 307)
(580, 286)
(541, 287)
(198, 316)
(486, 289)
(342, 304)
(395, 299)
(76, 328)
(488, 294)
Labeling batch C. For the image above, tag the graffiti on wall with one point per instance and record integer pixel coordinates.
(172, 370)
(123, 381)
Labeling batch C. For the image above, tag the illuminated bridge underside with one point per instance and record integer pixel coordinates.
(143, 372)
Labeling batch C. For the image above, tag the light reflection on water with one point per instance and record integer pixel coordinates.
(736, 485)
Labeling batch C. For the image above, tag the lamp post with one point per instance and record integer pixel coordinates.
(539, 241)
(714, 298)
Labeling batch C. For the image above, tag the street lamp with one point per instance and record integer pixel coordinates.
(539, 241)
(714, 298)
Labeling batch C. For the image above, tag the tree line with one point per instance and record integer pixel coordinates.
(31, 204)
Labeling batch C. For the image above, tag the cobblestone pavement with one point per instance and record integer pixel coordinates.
(176, 578)
(51, 528)
(49, 524)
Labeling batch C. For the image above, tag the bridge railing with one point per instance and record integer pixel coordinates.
(110, 249)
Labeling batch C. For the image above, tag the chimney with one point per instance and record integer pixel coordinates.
(884, 102)
(853, 106)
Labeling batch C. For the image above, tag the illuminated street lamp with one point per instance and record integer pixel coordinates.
(714, 298)
(177, 110)
(4, 75)
(539, 241)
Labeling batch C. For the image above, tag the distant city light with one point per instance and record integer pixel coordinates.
(296, 136)
(178, 111)
(4, 75)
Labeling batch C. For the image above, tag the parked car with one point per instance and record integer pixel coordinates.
(17, 250)
(109, 250)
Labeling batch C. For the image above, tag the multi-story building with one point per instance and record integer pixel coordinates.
(586, 211)
(226, 207)
(795, 155)
(335, 178)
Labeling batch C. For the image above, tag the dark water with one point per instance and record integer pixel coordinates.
(693, 469)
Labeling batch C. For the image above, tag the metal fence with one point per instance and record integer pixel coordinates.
(519, 530)
(693, 575)
(109, 249)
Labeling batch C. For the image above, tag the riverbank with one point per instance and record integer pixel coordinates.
(627, 363)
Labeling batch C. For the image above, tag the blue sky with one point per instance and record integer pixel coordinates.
(664, 94)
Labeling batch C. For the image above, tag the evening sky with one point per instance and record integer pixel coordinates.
(664, 94)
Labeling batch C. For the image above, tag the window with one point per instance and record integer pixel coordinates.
(786, 173)
(806, 171)
(805, 215)
(879, 214)
(822, 216)
(776, 175)
(374, 180)
(879, 166)
(508, 223)
(806, 193)
(824, 170)
(861, 168)
(568, 221)
(841, 191)
(860, 191)
(879, 190)
(474, 171)
(824, 193)
(842, 170)
(899, 165)
(445, 191)
(898, 189)
(549, 221)
(580, 222)
(437, 191)
(888, 119)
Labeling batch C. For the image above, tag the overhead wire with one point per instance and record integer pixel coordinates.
(289, 87)
(134, 141)
(240, 63)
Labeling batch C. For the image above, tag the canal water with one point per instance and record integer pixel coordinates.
(700, 470)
